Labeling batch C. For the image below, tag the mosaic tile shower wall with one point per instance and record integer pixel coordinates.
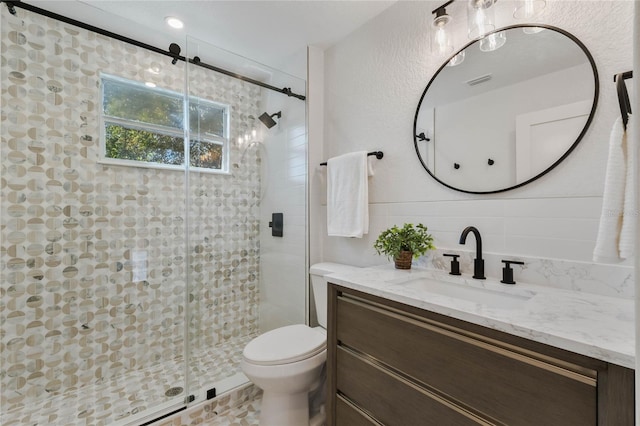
(224, 232)
(76, 306)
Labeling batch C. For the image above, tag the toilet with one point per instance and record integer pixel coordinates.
(286, 363)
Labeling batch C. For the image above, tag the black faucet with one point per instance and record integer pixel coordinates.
(478, 262)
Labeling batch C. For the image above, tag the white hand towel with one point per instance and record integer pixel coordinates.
(348, 195)
(616, 194)
(370, 160)
(627, 233)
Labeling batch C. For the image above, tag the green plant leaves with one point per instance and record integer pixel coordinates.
(411, 238)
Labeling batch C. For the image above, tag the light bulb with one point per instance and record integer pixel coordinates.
(441, 42)
(480, 18)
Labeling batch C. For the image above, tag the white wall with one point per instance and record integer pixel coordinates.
(283, 268)
(315, 120)
(373, 82)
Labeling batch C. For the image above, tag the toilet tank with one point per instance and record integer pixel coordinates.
(318, 273)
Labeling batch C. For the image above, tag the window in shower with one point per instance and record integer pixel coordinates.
(144, 126)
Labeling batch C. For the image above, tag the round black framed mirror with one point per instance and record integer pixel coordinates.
(506, 109)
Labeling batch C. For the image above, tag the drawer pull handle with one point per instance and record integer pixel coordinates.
(588, 377)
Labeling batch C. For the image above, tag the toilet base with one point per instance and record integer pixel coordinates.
(286, 388)
(284, 409)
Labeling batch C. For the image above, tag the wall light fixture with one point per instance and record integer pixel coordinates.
(441, 43)
(480, 21)
(480, 18)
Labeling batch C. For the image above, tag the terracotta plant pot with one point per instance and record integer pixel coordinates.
(403, 260)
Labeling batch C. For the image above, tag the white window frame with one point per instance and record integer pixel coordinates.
(184, 133)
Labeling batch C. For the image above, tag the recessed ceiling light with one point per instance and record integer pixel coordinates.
(174, 22)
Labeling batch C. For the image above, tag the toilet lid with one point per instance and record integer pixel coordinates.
(285, 345)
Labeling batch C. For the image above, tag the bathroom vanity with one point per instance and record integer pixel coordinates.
(401, 353)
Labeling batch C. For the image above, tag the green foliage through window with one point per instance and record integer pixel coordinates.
(145, 125)
(142, 145)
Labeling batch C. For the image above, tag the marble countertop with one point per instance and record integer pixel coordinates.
(598, 326)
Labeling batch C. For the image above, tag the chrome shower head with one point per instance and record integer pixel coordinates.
(268, 120)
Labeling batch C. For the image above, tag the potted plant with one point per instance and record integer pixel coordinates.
(404, 244)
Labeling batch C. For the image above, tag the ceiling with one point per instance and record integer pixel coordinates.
(269, 32)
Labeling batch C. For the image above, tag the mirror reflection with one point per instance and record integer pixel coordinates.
(498, 119)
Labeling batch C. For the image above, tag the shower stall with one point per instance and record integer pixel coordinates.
(137, 193)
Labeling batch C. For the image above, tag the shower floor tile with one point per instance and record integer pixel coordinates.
(240, 407)
(118, 400)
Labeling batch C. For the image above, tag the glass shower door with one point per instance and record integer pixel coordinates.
(93, 277)
(130, 278)
(223, 200)
(236, 166)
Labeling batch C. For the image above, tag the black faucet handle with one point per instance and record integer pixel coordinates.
(507, 272)
(455, 265)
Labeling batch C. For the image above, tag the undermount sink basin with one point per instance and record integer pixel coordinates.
(483, 296)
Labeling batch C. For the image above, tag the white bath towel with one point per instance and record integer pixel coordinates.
(615, 234)
(348, 195)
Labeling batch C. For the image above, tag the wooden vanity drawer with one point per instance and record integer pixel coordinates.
(349, 415)
(503, 385)
(391, 400)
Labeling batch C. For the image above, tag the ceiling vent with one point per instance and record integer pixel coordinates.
(478, 80)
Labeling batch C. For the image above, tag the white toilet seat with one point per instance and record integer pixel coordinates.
(285, 345)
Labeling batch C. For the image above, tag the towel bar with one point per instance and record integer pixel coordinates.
(378, 154)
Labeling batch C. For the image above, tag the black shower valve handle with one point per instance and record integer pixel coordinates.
(455, 265)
